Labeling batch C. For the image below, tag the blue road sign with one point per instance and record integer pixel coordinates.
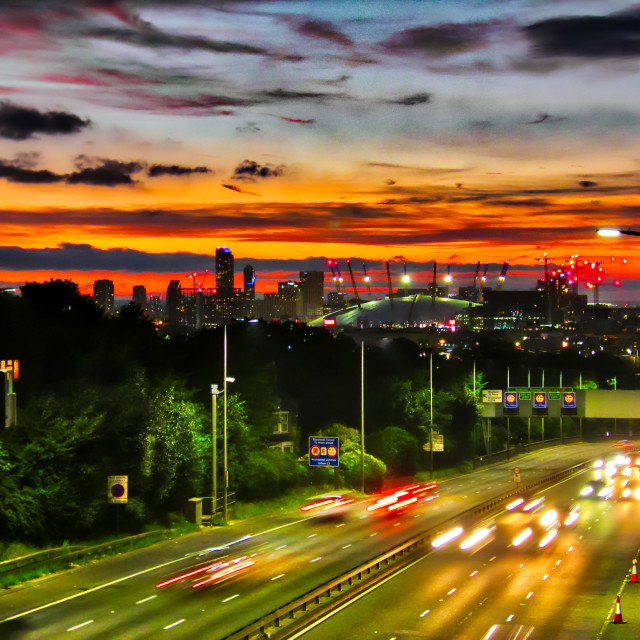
(511, 400)
(569, 400)
(323, 452)
(540, 400)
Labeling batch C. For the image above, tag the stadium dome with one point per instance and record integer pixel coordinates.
(418, 310)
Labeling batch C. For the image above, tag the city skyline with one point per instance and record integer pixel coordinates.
(136, 137)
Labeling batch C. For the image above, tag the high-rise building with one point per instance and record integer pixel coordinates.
(249, 280)
(312, 286)
(224, 270)
(139, 295)
(103, 295)
(289, 299)
(174, 305)
(246, 303)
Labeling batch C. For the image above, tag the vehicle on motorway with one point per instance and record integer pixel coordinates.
(210, 573)
(404, 498)
(532, 523)
(335, 504)
(597, 489)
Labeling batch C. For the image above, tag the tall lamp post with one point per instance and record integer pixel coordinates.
(362, 419)
(224, 432)
(214, 503)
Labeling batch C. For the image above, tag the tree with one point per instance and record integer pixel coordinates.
(173, 449)
(350, 458)
(397, 448)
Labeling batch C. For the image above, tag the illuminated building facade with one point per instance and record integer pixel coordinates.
(103, 295)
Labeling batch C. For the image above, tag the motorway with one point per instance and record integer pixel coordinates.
(289, 554)
(564, 591)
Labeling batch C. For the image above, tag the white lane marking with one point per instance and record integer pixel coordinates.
(463, 497)
(580, 538)
(278, 577)
(146, 599)
(231, 598)
(558, 562)
(424, 613)
(475, 573)
(373, 534)
(174, 624)
(346, 546)
(450, 593)
(280, 547)
(315, 559)
(570, 549)
(492, 559)
(98, 588)
(313, 535)
(79, 626)
(529, 595)
(397, 524)
(510, 618)
(340, 525)
(545, 576)
(363, 517)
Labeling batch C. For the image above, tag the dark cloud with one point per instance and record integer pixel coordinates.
(21, 123)
(84, 257)
(587, 183)
(416, 98)
(156, 170)
(613, 36)
(284, 95)
(324, 30)
(251, 169)
(158, 39)
(14, 173)
(103, 172)
(441, 40)
(233, 187)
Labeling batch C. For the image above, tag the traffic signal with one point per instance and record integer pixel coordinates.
(540, 400)
(569, 400)
(510, 400)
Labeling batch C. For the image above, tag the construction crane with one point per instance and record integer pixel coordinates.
(367, 279)
(198, 279)
(503, 274)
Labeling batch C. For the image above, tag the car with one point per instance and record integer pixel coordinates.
(595, 489)
(404, 498)
(329, 504)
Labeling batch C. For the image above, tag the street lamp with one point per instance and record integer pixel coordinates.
(214, 395)
(608, 232)
(224, 432)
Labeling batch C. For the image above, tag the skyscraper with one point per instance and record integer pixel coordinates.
(224, 270)
(249, 279)
(103, 295)
(312, 285)
(246, 302)
(173, 301)
(139, 295)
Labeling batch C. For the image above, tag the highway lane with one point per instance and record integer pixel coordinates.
(561, 592)
(292, 556)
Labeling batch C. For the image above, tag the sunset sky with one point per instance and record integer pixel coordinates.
(136, 136)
